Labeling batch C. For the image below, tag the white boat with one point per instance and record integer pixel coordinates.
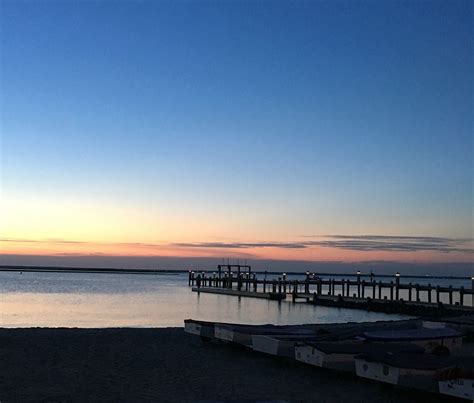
(341, 355)
(242, 334)
(200, 328)
(458, 387)
(279, 345)
(284, 344)
(459, 381)
(405, 369)
(464, 323)
(428, 338)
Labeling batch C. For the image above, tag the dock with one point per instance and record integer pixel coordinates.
(383, 296)
(236, 293)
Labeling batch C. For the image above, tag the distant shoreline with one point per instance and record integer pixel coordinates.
(111, 270)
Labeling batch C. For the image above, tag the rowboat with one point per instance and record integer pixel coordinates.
(464, 323)
(341, 355)
(280, 345)
(458, 381)
(242, 334)
(429, 339)
(239, 333)
(405, 369)
(200, 328)
(461, 387)
(284, 344)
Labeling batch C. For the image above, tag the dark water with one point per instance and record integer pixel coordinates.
(118, 300)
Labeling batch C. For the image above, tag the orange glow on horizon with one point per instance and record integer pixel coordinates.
(316, 253)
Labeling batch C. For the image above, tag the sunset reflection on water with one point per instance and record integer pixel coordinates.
(120, 300)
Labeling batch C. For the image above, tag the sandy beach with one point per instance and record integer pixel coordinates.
(62, 365)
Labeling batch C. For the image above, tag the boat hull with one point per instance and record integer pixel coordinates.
(460, 387)
(424, 379)
(200, 328)
(312, 356)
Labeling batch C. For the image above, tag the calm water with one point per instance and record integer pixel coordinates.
(116, 300)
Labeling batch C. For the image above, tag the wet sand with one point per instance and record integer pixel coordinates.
(62, 365)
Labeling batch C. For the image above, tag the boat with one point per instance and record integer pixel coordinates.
(242, 334)
(200, 328)
(464, 323)
(235, 332)
(284, 344)
(341, 355)
(280, 345)
(428, 338)
(403, 368)
(458, 381)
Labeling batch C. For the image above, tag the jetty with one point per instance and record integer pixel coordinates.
(392, 296)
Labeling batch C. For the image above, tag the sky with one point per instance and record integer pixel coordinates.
(293, 131)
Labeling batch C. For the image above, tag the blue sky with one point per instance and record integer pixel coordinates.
(246, 120)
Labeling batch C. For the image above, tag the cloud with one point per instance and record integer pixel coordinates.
(395, 243)
(59, 241)
(363, 243)
(241, 245)
(19, 240)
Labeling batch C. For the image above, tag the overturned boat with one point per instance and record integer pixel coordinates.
(284, 344)
(242, 334)
(458, 381)
(341, 355)
(414, 370)
(428, 338)
(200, 328)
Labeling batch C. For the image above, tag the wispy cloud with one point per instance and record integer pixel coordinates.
(241, 245)
(353, 242)
(363, 243)
(395, 243)
(58, 241)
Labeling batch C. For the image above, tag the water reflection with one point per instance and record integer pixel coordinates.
(109, 300)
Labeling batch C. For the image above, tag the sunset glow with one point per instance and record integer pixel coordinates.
(218, 136)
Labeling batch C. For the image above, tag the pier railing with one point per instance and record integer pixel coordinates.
(311, 287)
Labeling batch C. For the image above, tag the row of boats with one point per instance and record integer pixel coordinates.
(427, 355)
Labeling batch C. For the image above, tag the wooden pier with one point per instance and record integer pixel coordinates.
(250, 294)
(386, 296)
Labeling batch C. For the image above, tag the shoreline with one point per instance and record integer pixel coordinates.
(165, 364)
(112, 270)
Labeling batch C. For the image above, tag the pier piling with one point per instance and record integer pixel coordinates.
(315, 289)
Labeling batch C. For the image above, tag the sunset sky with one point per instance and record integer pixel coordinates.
(319, 131)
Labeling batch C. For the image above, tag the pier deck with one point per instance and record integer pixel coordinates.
(226, 291)
(420, 299)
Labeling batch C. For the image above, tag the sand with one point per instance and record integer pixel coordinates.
(62, 365)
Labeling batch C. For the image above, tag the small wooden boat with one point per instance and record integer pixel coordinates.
(341, 355)
(406, 369)
(430, 339)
